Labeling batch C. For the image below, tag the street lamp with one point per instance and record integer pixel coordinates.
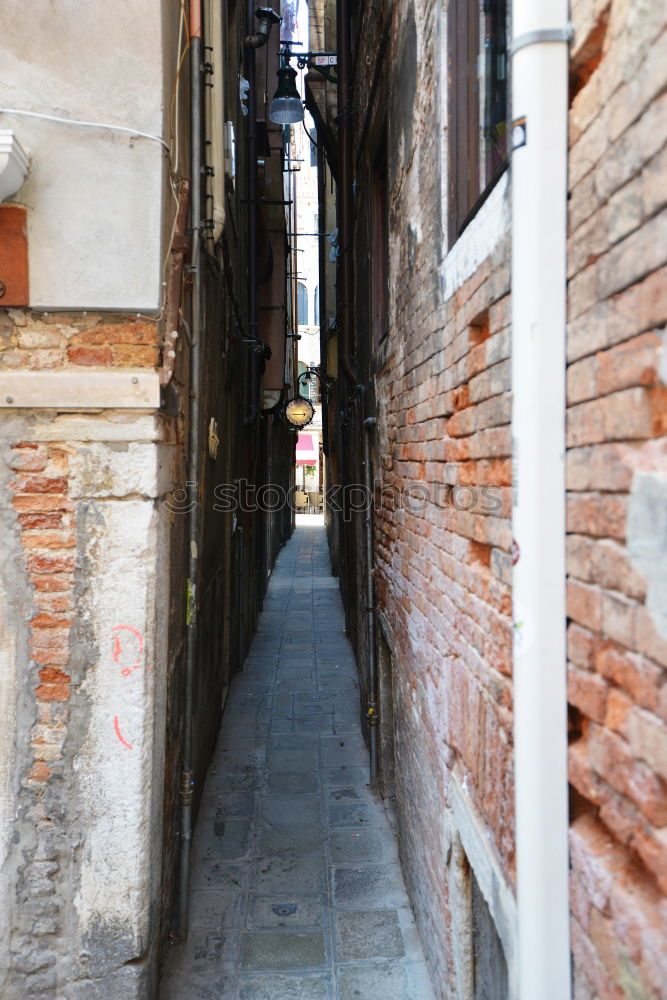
(286, 107)
(314, 372)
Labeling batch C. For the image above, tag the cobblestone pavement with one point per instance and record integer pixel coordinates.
(296, 891)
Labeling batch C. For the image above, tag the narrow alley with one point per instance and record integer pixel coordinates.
(333, 500)
(296, 889)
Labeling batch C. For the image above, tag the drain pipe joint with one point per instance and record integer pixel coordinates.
(266, 17)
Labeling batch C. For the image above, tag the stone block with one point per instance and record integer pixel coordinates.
(283, 950)
(368, 934)
(303, 987)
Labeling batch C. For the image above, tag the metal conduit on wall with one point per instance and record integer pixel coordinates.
(539, 189)
(194, 448)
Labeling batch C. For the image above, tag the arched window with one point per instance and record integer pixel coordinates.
(302, 303)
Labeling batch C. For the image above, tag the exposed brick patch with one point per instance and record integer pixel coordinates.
(118, 333)
(90, 355)
(46, 529)
(75, 340)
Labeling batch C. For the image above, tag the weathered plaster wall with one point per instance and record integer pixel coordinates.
(94, 196)
(90, 541)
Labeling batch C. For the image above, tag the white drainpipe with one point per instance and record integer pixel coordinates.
(539, 219)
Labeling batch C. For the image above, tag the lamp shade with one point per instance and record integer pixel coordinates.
(286, 107)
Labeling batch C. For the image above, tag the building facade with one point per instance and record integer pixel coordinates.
(441, 373)
(145, 311)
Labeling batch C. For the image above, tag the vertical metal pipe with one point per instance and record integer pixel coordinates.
(539, 229)
(345, 207)
(194, 445)
(321, 199)
(369, 424)
(254, 362)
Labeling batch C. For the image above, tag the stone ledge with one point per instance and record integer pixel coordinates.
(80, 390)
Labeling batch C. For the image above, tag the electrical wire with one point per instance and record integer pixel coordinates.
(136, 133)
(314, 141)
(174, 108)
(182, 51)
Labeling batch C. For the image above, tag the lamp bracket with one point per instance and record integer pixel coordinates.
(320, 62)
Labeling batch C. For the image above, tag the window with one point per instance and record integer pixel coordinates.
(302, 304)
(477, 140)
(313, 147)
(316, 306)
(379, 233)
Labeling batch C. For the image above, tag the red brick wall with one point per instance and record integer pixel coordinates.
(443, 568)
(56, 340)
(443, 576)
(617, 420)
(45, 518)
(444, 580)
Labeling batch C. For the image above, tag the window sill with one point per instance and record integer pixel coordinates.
(479, 239)
(502, 169)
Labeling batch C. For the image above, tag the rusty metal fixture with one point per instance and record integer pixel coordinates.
(369, 424)
(345, 196)
(267, 17)
(254, 364)
(178, 250)
(194, 442)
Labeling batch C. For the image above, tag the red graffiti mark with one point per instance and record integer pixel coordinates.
(122, 648)
(117, 651)
(516, 552)
(120, 735)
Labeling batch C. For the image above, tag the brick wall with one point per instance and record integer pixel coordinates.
(442, 460)
(38, 341)
(617, 452)
(441, 391)
(45, 517)
(444, 576)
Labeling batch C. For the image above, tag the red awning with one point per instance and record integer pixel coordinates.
(306, 450)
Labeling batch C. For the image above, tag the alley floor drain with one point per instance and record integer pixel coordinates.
(284, 909)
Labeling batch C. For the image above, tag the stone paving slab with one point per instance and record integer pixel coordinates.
(302, 839)
(295, 888)
(283, 949)
(287, 987)
(368, 934)
(292, 911)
